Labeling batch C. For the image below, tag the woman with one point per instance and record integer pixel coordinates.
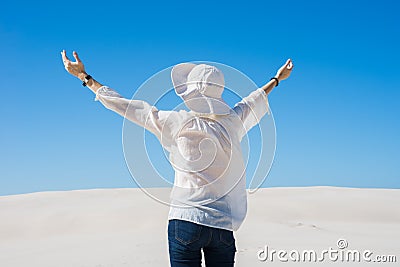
(208, 200)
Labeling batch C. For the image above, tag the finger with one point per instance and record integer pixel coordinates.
(289, 64)
(76, 57)
(64, 56)
(284, 66)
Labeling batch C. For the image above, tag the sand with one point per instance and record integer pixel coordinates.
(124, 227)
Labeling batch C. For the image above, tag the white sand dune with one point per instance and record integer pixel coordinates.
(124, 227)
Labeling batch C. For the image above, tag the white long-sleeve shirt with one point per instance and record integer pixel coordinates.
(205, 152)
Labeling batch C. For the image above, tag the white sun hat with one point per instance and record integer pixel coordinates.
(201, 87)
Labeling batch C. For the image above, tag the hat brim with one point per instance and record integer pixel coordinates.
(207, 105)
(179, 76)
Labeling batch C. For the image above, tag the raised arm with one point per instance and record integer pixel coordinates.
(282, 74)
(253, 107)
(138, 111)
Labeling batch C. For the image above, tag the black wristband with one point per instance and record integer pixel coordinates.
(276, 79)
(86, 80)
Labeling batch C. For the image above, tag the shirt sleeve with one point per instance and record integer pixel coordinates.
(136, 111)
(252, 109)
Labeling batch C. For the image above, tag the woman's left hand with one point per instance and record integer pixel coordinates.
(75, 68)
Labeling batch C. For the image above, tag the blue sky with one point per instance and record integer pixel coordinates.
(336, 117)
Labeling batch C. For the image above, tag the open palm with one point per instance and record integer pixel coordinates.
(75, 68)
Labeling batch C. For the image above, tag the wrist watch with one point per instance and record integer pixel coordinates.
(276, 80)
(86, 80)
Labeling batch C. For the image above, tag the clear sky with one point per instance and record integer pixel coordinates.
(337, 117)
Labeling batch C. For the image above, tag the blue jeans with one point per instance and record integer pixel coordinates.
(186, 239)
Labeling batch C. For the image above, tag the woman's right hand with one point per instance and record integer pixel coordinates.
(75, 68)
(284, 71)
